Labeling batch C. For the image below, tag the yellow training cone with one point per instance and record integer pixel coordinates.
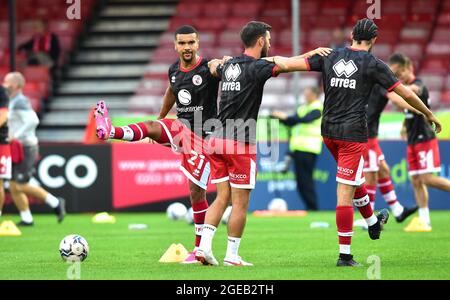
(417, 225)
(103, 218)
(175, 254)
(8, 228)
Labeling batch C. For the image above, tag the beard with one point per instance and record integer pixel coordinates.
(187, 60)
(264, 51)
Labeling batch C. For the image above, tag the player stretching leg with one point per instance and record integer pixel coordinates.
(194, 89)
(423, 149)
(233, 143)
(376, 168)
(349, 75)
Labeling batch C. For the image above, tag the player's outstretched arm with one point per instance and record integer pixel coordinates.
(296, 63)
(168, 102)
(415, 102)
(401, 103)
(213, 64)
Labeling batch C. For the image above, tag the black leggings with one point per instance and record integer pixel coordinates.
(304, 163)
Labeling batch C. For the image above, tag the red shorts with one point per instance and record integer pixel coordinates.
(423, 158)
(350, 160)
(5, 161)
(194, 163)
(234, 162)
(373, 156)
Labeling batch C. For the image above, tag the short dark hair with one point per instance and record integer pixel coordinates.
(398, 58)
(252, 31)
(186, 29)
(364, 30)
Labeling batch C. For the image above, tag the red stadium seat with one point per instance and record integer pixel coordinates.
(421, 19)
(439, 48)
(382, 51)
(447, 83)
(444, 19)
(335, 8)
(445, 97)
(3, 71)
(277, 8)
(328, 22)
(37, 73)
(394, 7)
(423, 6)
(413, 51)
(441, 34)
(236, 23)
(177, 22)
(432, 81)
(246, 9)
(391, 22)
(229, 39)
(276, 23)
(414, 34)
(189, 10)
(211, 24)
(319, 37)
(216, 9)
(436, 65)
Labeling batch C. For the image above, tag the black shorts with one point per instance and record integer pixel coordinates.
(23, 171)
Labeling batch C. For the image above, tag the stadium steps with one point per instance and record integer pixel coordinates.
(111, 60)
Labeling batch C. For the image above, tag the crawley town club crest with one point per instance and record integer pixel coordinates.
(197, 80)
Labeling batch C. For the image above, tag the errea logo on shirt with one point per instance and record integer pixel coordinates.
(231, 74)
(344, 68)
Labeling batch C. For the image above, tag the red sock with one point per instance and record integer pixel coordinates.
(387, 190)
(344, 222)
(371, 192)
(199, 210)
(361, 201)
(133, 132)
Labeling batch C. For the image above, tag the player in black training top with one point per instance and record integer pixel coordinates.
(376, 169)
(194, 89)
(233, 142)
(349, 75)
(5, 150)
(423, 149)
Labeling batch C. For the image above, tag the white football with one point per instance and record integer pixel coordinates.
(74, 248)
(278, 205)
(226, 215)
(176, 211)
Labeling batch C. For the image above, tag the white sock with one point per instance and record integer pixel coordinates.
(424, 214)
(51, 200)
(372, 204)
(26, 216)
(344, 249)
(396, 208)
(233, 247)
(207, 237)
(371, 220)
(0, 213)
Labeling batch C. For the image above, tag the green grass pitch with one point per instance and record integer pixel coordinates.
(280, 248)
